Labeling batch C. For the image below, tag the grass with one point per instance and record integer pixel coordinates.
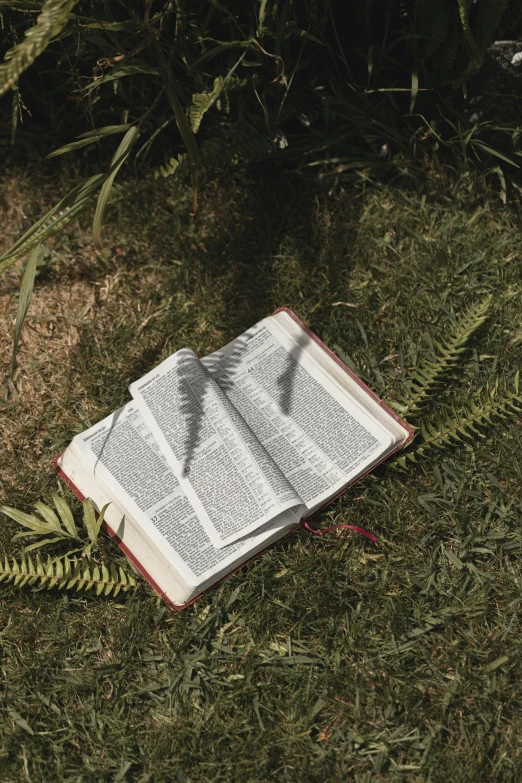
(326, 659)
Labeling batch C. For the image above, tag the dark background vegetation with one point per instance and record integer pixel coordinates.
(338, 81)
(378, 218)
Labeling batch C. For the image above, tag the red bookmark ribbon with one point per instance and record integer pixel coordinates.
(337, 527)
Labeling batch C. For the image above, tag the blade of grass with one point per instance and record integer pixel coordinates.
(26, 292)
(91, 137)
(118, 160)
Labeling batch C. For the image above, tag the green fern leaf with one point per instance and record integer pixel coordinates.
(202, 101)
(427, 379)
(491, 407)
(52, 18)
(65, 573)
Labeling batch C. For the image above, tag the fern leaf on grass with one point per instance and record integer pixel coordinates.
(489, 408)
(51, 20)
(65, 573)
(427, 378)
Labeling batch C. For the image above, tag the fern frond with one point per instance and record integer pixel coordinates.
(202, 101)
(65, 573)
(52, 18)
(489, 408)
(427, 378)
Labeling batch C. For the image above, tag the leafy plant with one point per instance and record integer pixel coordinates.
(63, 572)
(57, 527)
(491, 405)
(443, 39)
(292, 62)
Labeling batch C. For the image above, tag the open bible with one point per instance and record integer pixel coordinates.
(215, 459)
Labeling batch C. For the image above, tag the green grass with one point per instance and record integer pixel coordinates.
(326, 659)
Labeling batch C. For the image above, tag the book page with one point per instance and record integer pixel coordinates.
(122, 452)
(233, 484)
(318, 436)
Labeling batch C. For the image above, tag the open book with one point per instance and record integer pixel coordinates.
(215, 459)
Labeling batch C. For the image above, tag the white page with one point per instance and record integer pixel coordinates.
(319, 437)
(232, 483)
(121, 450)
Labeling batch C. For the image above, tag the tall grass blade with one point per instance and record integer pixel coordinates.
(65, 573)
(26, 292)
(89, 138)
(117, 162)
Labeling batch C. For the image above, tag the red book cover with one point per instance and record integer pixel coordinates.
(346, 369)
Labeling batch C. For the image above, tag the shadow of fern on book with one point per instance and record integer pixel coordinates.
(216, 459)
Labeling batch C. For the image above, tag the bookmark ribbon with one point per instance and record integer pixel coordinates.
(337, 527)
